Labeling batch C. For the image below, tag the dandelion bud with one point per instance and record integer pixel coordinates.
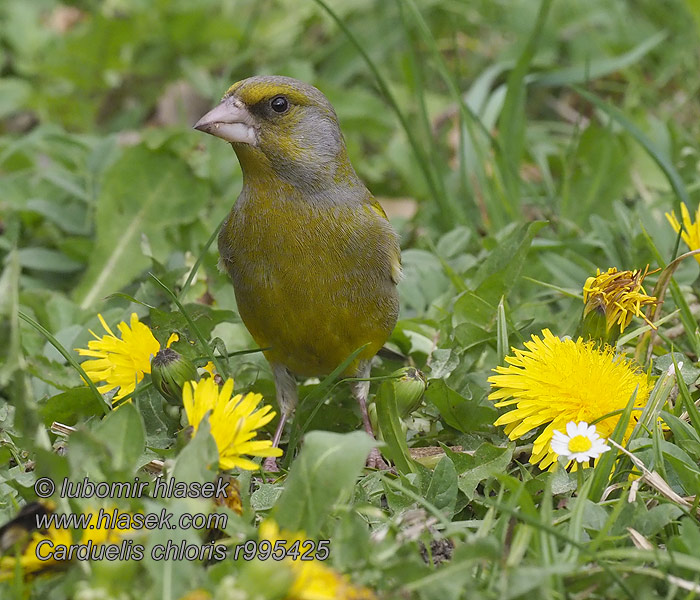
(409, 389)
(594, 324)
(611, 299)
(169, 372)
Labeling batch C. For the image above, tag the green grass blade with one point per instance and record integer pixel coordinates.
(390, 426)
(221, 368)
(106, 408)
(657, 156)
(200, 259)
(604, 467)
(501, 332)
(512, 119)
(434, 183)
(598, 68)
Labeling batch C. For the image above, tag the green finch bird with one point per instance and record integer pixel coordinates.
(313, 259)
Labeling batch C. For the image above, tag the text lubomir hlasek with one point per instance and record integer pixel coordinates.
(159, 488)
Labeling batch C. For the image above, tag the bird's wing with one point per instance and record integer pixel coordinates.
(396, 270)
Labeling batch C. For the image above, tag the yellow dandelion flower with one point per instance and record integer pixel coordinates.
(619, 295)
(233, 421)
(120, 362)
(209, 368)
(691, 230)
(556, 381)
(28, 559)
(48, 548)
(313, 580)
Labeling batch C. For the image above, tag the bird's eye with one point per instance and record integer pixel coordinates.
(279, 104)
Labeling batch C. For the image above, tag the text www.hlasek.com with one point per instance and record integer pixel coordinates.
(111, 524)
(47, 549)
(114, 520)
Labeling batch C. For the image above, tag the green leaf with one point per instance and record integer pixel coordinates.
(123, 432)
(488, 461)
(199, 459)
(656, 154)
(512, 120)
(650, 522)
(143, 193)
(322, 476)
(390, 426)
(160, 428)
(442, 490)
(14, 93)
(265, 496)
(473, 310)
(597, 68)
(52, 372)
(459, 412)
(106, 407)
(46, 259)
(11, 357)
(604, 466)
(687, 472)
(501, 270)
(70, 406)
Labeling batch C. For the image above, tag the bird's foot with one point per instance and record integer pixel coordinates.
(270, 465)
(375, 461)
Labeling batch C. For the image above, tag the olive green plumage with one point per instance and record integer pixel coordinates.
(313, 259)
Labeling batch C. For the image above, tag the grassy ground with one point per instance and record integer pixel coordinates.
(517, 146)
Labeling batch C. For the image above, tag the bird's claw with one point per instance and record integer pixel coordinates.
(375, 461)
(270, 465)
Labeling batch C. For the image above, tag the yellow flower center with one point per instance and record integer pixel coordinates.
(580, 443)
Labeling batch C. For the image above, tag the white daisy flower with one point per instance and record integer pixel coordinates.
(581, 442)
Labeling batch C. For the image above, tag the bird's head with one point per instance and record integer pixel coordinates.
(281, 127)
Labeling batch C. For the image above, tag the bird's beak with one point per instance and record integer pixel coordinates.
(230, 121)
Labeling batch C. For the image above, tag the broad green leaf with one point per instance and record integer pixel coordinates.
(650, 522)
(501, 270)
(323, 475)
(442, 490)
(52, 372)
(464, 414)
(70, 406)
(265, 496)
(198, 461)
(474, 310)
(488, 461)
(143, 193)
(123, 432)
(46, 259)
(469, 335)
(351, 542)
(14, 93)
(160, 427)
